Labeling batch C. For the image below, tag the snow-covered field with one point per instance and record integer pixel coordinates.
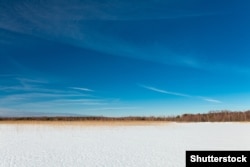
(115, 146)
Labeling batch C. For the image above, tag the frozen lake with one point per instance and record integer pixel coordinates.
(115, 146)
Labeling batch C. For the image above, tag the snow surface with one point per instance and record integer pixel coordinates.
(115, 146)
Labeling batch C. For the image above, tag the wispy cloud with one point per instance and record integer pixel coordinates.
(32, 96)
(82, 89)
(8, 112)
(25, 93)
(14, 83)
(28, 96)
(32, 89)
(84, 102)
(179, 94)
(48, 104)
(164, 91)
(113, 108)
(212, 100)
(67, 21)
(28, 80)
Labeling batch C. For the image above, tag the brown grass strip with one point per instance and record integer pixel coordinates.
(84, 123)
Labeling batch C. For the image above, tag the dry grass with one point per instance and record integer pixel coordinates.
(85, 123)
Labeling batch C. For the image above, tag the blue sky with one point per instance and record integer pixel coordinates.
(119, 58)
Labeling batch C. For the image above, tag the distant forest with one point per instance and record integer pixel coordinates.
(212, 116)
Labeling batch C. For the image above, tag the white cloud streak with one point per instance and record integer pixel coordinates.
(31, 89)
(35, 93)
(212, 100)
(113, 108)
(9, 112)
(93, 102)
(67, 21)
(164, 91)
(32, 81)
(82, 89)
(179, 94)
(25, 96)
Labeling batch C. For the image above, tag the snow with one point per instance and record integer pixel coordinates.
(115, 146)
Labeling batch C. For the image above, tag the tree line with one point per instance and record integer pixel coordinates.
(212, 116)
